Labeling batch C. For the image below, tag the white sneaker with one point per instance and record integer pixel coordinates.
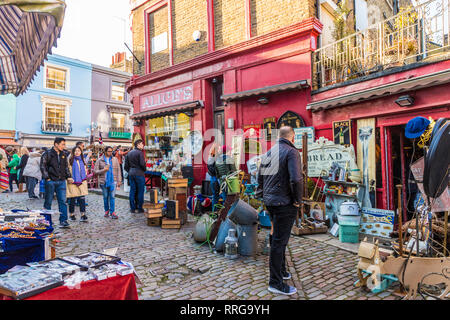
(290, 290)
(287, 276)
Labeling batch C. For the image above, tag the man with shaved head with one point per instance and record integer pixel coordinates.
(280, 183)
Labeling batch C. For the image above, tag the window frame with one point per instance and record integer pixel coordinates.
(124, 91)
(55, 66)
(59, 101)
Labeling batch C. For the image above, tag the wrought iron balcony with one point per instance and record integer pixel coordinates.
(120, 133)
(418, 34)
(63, 128)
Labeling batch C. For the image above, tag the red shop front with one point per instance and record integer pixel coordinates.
(243, 85)
(423, 91)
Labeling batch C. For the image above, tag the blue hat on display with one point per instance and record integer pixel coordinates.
(416, 127)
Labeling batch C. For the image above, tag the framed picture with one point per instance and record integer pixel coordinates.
(342, 132)
(269, 125)
(252, 131)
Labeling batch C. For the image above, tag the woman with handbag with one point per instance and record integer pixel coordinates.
(24, 155)
(77, 184)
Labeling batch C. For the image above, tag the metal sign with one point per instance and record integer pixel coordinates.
(322, 153)
(269, 125)
(298, 136)
(377, 222)
(290, 118)
(342, 132)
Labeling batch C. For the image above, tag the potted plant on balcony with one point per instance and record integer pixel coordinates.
(402, 41)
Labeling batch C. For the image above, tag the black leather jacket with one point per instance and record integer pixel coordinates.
(280, 178)
(135, 163)
(53, 166)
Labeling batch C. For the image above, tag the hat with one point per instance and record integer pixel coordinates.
(416, 127)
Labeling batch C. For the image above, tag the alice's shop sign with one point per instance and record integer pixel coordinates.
(167, 98)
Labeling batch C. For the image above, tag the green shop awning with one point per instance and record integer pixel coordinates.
(28, 31)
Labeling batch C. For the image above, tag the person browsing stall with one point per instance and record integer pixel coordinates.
(77, 187)
(135, 166)
(109, 178)
(280, 184)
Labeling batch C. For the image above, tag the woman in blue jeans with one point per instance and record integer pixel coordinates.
(107, 169)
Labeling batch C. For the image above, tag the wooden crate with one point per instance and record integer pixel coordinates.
(153, 213)
(305, 230)
(173, 191)
(152, 206)
(182, 201)
(171, 223)
(154, 222)
(177, 183)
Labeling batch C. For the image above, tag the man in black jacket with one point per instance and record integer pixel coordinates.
(55, 171)
(280, 182)
(135, 166)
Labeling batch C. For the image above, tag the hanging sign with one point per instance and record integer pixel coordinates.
(290, 118)
(167, 98)
(377, 222)
(322, 153)
(252, 131)
(342, 132)
(269, 125)
(298, 136)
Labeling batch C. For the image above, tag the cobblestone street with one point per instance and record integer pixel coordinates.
(171, 265)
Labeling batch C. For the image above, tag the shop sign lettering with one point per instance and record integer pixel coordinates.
(322, 153)
(167, 98)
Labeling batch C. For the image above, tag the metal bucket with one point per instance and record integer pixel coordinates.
(223, 233)
(242, 213)
(247, 239)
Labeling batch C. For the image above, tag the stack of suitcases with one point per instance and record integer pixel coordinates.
(176, 206)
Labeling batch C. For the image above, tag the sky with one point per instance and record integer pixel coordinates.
(93, 30)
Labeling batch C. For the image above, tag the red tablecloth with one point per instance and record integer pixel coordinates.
(115, 288)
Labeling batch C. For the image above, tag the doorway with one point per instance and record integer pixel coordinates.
(218, 107)
(403, 153)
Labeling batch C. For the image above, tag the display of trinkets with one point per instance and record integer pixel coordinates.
(91, 259)
(55, 265)
(28, 281)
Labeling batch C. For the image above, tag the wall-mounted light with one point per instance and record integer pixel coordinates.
(136, 123)
(405, 101)
(231, 123)
(263, 100)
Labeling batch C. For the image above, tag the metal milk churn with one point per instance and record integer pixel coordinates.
(231, 245)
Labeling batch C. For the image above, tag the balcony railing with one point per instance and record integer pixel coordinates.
(418, 34)
(63, 128)
(120, 133)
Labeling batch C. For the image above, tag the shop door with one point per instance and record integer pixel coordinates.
(219, 123)
(401, 154)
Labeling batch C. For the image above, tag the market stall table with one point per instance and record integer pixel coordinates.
(115, 288)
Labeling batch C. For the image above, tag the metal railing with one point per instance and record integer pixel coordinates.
(120, 129)
(56, 128)
(416, 34)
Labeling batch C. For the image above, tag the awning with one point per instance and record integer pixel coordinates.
(8, 142)
(28, 31)
(289, 86)
(181, 108)
(420, 82)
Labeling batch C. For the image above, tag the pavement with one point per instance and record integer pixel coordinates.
(171, 265)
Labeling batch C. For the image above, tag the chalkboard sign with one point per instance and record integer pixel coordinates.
(290, 118)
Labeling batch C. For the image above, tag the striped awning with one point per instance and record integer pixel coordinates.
(28, 31)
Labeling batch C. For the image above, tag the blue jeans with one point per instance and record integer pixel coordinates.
(60, 188)
(137, 186)
(109, 194)
(31, 185)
